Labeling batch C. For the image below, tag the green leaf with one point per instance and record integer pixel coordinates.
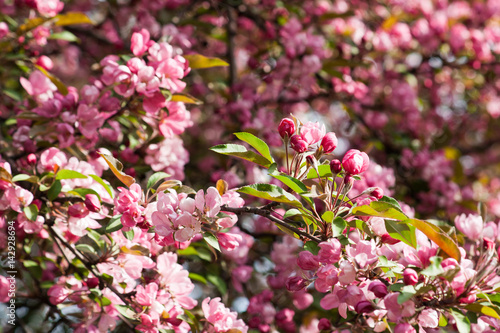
(402, 231)
(103, 184)
(218, 282)
(198, 277)
(25, 178)
(32, 24)
(155, 178)
(256, 143)
(443, 322)
(292, 212)
(406, 293)
(65, 35)
(211, 240)
(311, 247)
(487, 310)
(69, 174)
(31, 212)
(438, 236)
(71, 18)
(198, 61)
(34, 268)
(392, 201)
(272, 193)
(324, 171)
(241, 152)
(54, 190)
(188, 251)
(86, 248)
(380, 209)
(338, 226)
(129, 234)
(82, 192)
(434, 269)
(293, 183)
(114, 224)
(462, 322)
(125, 311)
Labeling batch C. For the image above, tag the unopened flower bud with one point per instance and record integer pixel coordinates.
(92, 203)
(364, 307)
(298, 144)
(45, 62)
(329, 142)
(387, 239)
(31, 159)
(335, 166)
(355, 162)
(324, 324)
(92, 282)
(378, 288)
(410, 277)
(286, 128)
(469, 299)
(295, 283)
(307, 261)
(311, 160)
(78, 210)
(377, 193)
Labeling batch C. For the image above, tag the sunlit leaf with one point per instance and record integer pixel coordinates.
(117, 167)
(72, 18)
(198, 61)
(256, 143)
(241, 152)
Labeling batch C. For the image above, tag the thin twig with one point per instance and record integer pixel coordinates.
(262, 211)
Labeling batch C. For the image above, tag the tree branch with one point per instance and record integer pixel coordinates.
(262, 211)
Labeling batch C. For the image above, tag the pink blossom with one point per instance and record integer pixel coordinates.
(470, 225)
(39, 86)
(428, 318)
(312, 132)
(404, 328)
(146, 296)
(17, 197)
(396, 311)
(140, 42)
(330, 251)
(169, 156)
(175, 121)
(49, 7)
(229, 241)
(355, 162)
(57, 294)
(364, 253)
(307, 261)
(4, 29)
(347, 273)
(51, 159)
(210, 203)
(220, 317)
(30, 227)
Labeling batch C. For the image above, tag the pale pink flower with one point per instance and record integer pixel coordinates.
(51, 158)
(229, 241)
(140, 42)
(396, 311)
(210, 203)
(330, 251)
(470, 225)
(220, 317)
(365, 252)
(428, 318)
(30, 227)
(175, 121)
(39, 86)
(17, 197)
(57, 294)
(347, 273)
(49, 7)
(146, 296)
(312, 132)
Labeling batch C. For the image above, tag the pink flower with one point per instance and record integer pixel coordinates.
(140, 42)
(307, 261)
(364, 253)
(470, 225)
(176, 121)
(410, 277)
(355, 162)
(30, 227)
(210, 203)
(298, 144)
(51, 159)
(49, 7)
(146, 296)
(220, 317)
(229, 241)
(4, 29)
(330, 251)
(39, 86)
(18, 197)
(347, 273)
(428, 318)
(57, 294)
(404, 328)
(396, 311)
(312, 132)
